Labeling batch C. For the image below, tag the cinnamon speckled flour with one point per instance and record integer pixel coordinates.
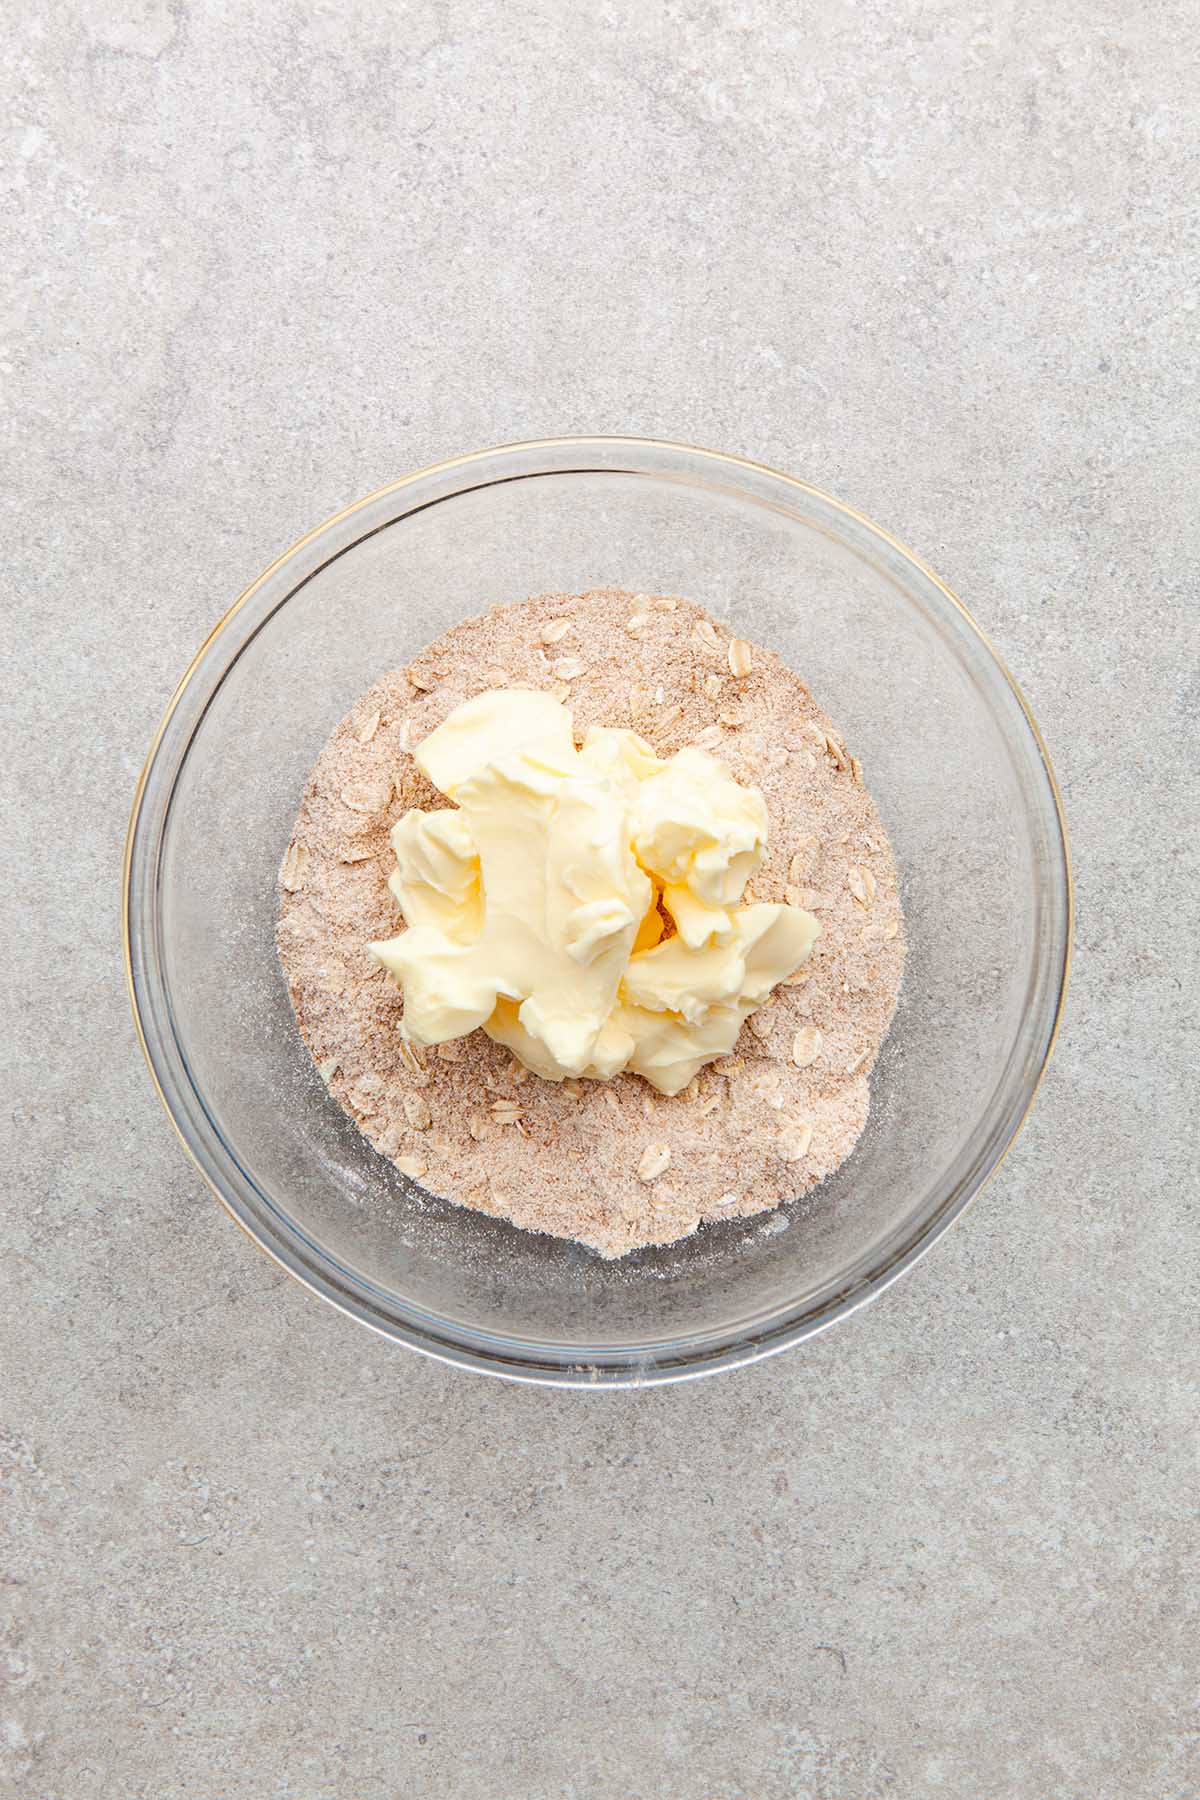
(612, 1164)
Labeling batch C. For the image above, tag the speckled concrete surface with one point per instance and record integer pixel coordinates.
(940, 258)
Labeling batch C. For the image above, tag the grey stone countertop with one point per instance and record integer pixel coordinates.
(941, 259)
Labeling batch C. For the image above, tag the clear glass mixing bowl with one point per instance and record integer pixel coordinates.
(952, 756)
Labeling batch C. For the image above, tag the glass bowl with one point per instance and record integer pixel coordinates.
(953, 759)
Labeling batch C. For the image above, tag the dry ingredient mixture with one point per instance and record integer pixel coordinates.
(612, 1164)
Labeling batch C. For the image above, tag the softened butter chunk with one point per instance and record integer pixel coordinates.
(436, 878)
(495, 724)
(535, 907)
(698, 829)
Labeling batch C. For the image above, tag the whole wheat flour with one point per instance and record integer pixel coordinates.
(612, 1164)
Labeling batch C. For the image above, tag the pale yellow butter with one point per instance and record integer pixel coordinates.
(436, 878)
(533, 906)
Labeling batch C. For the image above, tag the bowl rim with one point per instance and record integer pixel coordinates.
(641, 1372)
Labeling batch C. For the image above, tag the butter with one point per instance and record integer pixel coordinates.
(535, 905)
(493, 725)
(695, 827)
(436, 878)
